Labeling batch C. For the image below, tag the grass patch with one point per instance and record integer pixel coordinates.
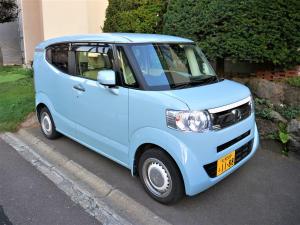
(294, 81)
(16, 96)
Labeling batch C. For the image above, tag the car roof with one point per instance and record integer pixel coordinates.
(115, 38)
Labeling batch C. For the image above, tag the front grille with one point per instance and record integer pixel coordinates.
(240, 153)
(231, 116)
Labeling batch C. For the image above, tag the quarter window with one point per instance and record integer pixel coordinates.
(91, 59)
(125, 68)
(57, 55)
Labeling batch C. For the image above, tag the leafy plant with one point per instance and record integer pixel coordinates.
(263, 101)
(273, 136)
(260, 101)
(263, 108)
(294, 81)
(264, 113)
(289, 112)
(283, 137)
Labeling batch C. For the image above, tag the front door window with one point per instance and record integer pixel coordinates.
(91, 59)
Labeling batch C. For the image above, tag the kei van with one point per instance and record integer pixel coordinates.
(151, 103)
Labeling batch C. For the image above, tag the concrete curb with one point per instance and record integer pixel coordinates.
(101, 200)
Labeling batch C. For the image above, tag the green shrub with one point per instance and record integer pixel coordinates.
(263, 101)
(9, 11)
(136, 16)
(289, 112)
(264, 113)
(265, 31)
(294, 81)
(263, 108)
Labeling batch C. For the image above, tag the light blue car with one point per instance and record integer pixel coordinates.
(151, 103)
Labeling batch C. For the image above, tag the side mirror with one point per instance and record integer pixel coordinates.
(107, 78)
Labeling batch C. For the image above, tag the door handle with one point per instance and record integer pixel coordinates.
(79, 87)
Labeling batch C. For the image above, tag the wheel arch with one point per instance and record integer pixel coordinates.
(144, 147)
(147, 138)
(42, 100)
(38, 109)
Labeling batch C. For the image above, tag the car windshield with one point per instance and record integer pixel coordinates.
(172, 66)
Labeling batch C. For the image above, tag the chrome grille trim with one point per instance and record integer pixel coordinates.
(231, 114)
(230, 106)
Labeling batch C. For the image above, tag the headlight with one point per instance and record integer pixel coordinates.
(196, 121)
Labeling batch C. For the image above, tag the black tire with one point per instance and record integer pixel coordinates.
(47, 124)
(165, 175)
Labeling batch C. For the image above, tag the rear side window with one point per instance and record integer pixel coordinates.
(58, 56)
(91, 59)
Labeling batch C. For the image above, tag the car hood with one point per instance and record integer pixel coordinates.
(211, 95)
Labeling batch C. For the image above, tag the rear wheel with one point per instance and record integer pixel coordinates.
(160, 176)
(47, 124)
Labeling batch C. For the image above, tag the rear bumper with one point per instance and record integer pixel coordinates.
(202, 150)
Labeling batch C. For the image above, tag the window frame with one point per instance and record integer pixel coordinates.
(72, 59)
(133, 64)
(141, 84)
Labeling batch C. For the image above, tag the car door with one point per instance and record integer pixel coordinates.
(59, 87)
(101, 113)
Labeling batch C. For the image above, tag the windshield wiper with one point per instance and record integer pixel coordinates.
(207, 80)
(195, 82)
(180, 85)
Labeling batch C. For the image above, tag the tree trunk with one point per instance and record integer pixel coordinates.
(220, 66)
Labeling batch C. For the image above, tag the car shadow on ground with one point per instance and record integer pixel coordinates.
(3, 218)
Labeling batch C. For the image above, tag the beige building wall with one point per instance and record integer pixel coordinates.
(96, 10)
(46, 19)
(32, 26)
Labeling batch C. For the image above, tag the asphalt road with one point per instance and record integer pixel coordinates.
(266, 190)
(28, 198)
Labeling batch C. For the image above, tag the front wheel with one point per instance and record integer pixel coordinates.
(160, 176)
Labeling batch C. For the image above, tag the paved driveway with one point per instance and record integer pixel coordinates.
(266, 190)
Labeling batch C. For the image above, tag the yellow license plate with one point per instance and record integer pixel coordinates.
(225, 163)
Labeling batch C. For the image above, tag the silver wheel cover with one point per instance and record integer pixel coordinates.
(157, 177)
(46, 123)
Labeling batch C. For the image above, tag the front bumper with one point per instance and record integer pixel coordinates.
(201, 149)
